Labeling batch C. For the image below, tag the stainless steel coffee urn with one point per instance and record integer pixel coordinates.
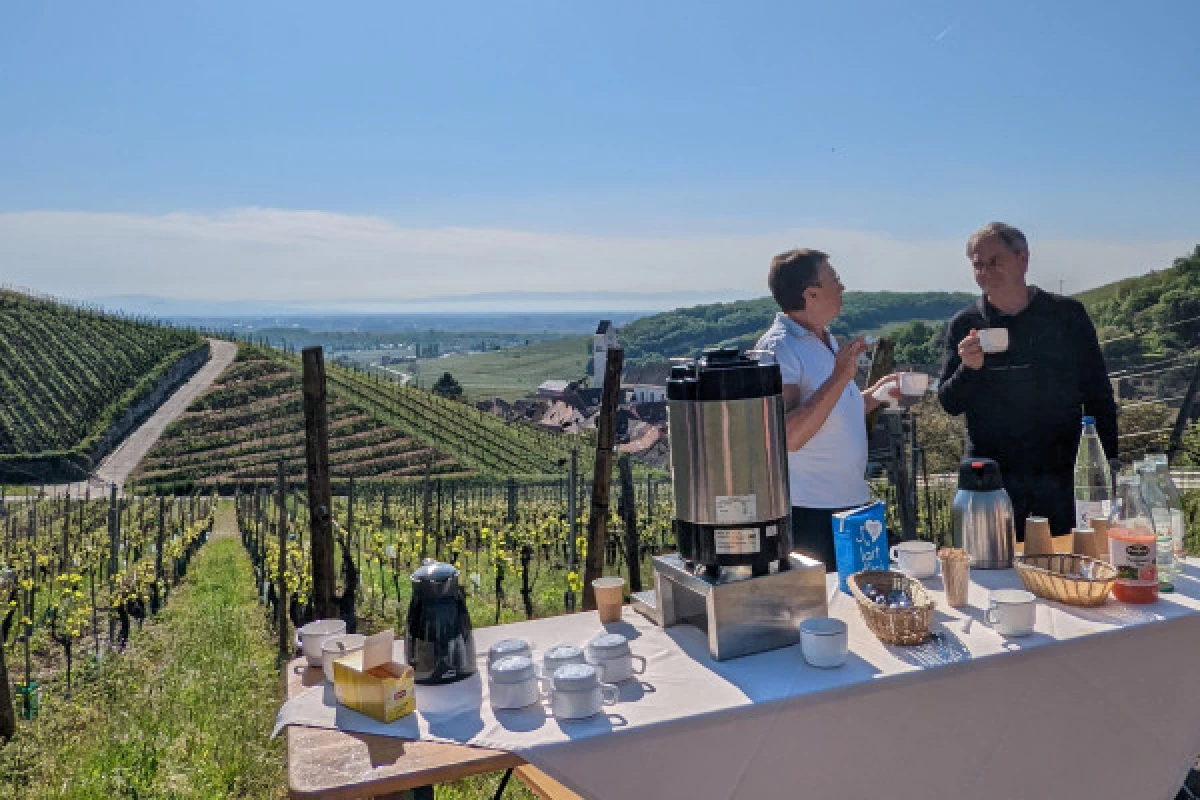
(729, 463)
(982, 515)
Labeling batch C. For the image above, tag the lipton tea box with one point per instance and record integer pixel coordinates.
(371, 682)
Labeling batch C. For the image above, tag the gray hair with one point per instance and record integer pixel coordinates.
(1013, 239)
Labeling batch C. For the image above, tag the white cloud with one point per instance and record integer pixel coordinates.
(315, 256)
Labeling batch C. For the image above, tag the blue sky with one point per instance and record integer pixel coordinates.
(399, 149)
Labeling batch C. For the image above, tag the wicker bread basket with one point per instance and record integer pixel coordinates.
(893, 625)
(1061, 577)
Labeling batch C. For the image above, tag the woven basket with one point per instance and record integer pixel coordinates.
(1059, 577)
(893, 625)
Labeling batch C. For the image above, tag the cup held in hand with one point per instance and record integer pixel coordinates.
(993, 340)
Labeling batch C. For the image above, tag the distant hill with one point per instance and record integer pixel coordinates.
(67, 376)
(1162, 308)
(687, 331)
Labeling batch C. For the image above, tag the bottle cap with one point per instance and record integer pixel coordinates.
(1089, 420)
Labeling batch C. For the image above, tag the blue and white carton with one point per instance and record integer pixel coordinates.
(859, 541)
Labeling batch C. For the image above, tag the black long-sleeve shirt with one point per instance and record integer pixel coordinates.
(1024, 406)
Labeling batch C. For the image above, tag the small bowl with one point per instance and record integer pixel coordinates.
(314, 634)
(824, 641)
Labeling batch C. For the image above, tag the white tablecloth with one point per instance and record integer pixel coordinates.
(1097, 703)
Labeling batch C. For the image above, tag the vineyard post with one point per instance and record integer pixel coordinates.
(158, 551)
(114, 528)
(628, 509)
(350, 529)
(320, 499)
(573, 512)
(437, 524)
(602, 478)
(281, 595)
(1185, 410)
(649, 499)
(64, 563)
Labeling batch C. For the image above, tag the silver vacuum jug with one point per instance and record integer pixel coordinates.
(982, 515)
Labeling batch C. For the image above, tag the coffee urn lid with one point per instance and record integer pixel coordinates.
(433, 570)
(979, 475)
(724, 373)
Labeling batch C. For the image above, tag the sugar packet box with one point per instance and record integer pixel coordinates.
(859, 541)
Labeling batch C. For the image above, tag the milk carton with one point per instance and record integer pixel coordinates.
(859, 541)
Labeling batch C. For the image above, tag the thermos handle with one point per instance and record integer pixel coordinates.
(609, 692)
(990, 616)
(894, 554)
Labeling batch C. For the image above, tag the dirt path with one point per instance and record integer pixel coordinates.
(115, 468)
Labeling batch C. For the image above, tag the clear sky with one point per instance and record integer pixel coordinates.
(318, 150)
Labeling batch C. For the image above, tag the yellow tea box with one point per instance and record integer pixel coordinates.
(371, 682)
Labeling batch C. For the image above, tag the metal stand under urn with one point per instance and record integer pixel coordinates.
(734, 575)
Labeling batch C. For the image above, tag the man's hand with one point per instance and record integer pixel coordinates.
(845, 363)
(971, 351)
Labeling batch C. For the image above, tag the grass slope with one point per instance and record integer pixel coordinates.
(66, 374)
(185, 712)
(513, 372)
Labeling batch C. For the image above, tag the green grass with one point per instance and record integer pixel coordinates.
(185, 712)
(515, 372)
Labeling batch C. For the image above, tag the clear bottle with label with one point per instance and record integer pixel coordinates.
(1093, 480)
(1160, 513)
(1174, 501)
(1132, 547)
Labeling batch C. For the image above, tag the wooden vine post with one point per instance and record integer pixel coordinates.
(320, 496)
(606, 434)
(627, 509)
(281, 593)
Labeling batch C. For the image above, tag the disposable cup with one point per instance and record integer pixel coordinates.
(956, 575)
(609, 596)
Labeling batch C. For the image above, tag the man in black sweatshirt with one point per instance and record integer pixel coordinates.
(1024, 405)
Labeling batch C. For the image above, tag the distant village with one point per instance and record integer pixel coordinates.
(571, 406)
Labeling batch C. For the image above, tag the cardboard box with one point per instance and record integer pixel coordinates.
(371, 682)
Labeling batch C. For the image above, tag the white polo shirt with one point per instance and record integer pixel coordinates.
(830, 470)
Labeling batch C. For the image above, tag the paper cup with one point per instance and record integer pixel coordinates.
(956, 575)
(609, 596)
(1038, 541)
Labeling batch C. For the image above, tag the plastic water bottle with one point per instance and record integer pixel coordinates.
(1159, 508)
(1178, 525)
(1093, 481)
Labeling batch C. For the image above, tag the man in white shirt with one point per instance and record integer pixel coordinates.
(824, 409)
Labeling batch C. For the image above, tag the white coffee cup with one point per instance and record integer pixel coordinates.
(993, 340)
(916, 559)
(576, 692)
(513, 683)
(335, 647)
(824, 642)
(314, 634)
(914, 384)
(609, 653)
(505, 648)
(560, 655)
(1012, 612)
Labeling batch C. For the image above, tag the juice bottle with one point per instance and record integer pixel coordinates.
(1132, 546)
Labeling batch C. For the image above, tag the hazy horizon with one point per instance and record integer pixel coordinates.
(313, 153)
